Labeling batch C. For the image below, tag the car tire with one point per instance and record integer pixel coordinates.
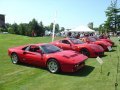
(14, 58)
(85, 52)
(53, 66)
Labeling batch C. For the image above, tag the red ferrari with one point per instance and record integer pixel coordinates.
(47, 55)
(104, 44)
(108, 40)
(90, 50)
(104, 39)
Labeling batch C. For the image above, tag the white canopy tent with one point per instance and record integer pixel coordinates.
(82, 29)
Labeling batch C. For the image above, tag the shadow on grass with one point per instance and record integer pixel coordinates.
(31, 66)
(80, 73)
(103, 56)
(100, 56)
(113, 50)
(114, 46)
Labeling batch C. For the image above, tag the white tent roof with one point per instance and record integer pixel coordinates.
(82, 29)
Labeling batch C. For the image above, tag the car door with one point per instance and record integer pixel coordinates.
(31, 56)
(65, 44)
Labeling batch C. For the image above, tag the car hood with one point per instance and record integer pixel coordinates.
(107, 40)
(70, 55)
(105, 43)
(96, 47)
(92, 46)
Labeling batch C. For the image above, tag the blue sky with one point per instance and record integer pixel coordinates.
(70, 13)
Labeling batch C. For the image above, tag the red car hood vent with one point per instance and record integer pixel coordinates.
(66, 56)
(70, 55)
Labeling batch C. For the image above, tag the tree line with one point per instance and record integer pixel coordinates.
(33, 28)
(112, 23)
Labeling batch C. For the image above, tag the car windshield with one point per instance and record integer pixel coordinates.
(76, 41)
(92, 39)
(48, 48)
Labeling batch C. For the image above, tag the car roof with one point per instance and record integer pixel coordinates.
(67, 38)
(39, 44)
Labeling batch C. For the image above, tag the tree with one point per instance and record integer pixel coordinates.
(41, 24)
(62, 29)
(42, 30)
(47, 28)
(112, 12)
(90, 25)
(10, 30)
(0, 30)
(22, 29)
(56, 28)
(15, 28)
(34, 28)
(118, 22)
(51, 27)
(107, 26)
(101, 29)
(7, 25)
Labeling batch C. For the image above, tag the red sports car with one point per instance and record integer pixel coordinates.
(106, 45)
(107, 40)
(47, 55)
(90, 50)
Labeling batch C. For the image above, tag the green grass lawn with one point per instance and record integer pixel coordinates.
(23, 77)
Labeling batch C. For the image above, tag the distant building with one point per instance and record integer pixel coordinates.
(2, 20)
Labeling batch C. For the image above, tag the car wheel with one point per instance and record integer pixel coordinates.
(53, 66)
(14, 58)
(85, 52)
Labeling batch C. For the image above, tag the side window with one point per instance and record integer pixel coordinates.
(65, 41)
(25, 48)
(34, 49)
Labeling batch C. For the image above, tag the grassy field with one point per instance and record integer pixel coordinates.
(23, 77)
